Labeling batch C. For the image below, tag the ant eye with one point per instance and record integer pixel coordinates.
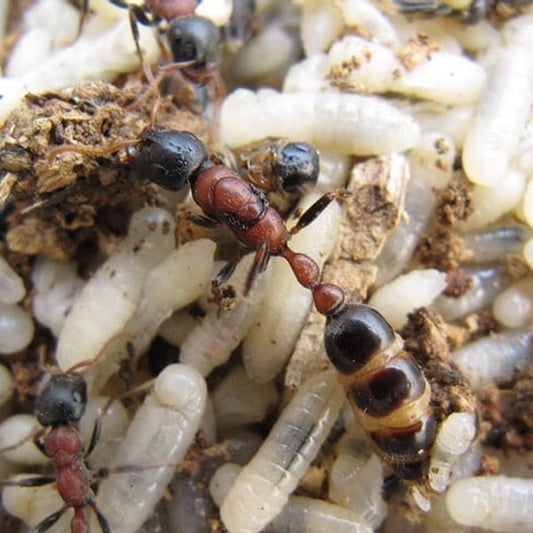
(193, 39)
(298, 166)
(354, 335)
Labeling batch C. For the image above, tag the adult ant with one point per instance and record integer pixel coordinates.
(193, 40)
(174, 158)
(59, 406)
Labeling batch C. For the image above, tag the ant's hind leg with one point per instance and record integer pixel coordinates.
(261, 258)
(102, 520)
(315, 209)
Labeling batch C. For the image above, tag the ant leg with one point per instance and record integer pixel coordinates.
(261, 258)
(314, 211)
(50, 520)
(137, 15)
(97, 431)
(102, 520)
(84, 12)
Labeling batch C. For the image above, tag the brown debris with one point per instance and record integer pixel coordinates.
(441, 248)
(506, 409)
(417, 50)
(426, 338)
(455, 202)
(65, 198)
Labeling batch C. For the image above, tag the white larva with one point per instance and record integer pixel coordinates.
(487, 282)
(498, 354)
(16, 440)
(402, 240)
(187, 270)
(217, 11)
(444, 77)
(365, 16)
(55, 285)
(491, 203)
(283, 310)
(299, 514)
(453, 439)
(16, 328)
(500, 117)
(33, 504)
(495, 243)
(356, 482)
(320, 25)
(12, 288)
(494, 503)
(406, 293)
(7, 385)
(108, 301)
(343, 123)
(159, 435)
(210, 343)
(308, 75)
(239, 401)
(513, 308)
(264, 485)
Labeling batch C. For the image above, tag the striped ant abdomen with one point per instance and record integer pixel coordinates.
(385, 386)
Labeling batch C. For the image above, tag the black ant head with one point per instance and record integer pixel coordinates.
(354, 335)
(168, 158)
(62, 401)
(297, 166)
(193, 39)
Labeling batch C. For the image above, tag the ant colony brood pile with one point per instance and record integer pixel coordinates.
(266, 266)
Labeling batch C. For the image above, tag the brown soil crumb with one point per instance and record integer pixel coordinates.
(64, 198)
(417, 50)
(506, 410)
(426, 338)
(458, 283)
(442, 248)
(489, 465)
(455, 202)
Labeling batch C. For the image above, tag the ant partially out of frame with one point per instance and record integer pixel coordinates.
(193, 40)
(58, 408)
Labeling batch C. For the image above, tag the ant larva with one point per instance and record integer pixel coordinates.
(174, 158)
(387, 390)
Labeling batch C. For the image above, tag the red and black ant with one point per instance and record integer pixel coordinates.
(193, 40)
(174, 158)
(59, 406)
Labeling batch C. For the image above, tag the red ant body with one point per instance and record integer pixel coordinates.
(172, 159)
(386, 388)
(61, 404)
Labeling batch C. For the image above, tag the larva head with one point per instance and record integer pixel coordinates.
(354, 335)
(62, 401)
(168, 158)
(296, 166)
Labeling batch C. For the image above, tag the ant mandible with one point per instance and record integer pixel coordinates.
(172, 159)
(59, 406)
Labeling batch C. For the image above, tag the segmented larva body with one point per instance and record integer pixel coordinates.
(385, 386)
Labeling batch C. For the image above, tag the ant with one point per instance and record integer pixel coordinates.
(58, 407)
(193, 40)
(173, 158)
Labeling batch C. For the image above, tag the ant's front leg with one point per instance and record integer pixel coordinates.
(314, 210)
(196, 219)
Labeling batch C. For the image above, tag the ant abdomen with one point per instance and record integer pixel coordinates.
(385, 386)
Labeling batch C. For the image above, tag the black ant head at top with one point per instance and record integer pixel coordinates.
(168, 158)
(297, 166)
(354, 335)
(193, 39)
(62, 401)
